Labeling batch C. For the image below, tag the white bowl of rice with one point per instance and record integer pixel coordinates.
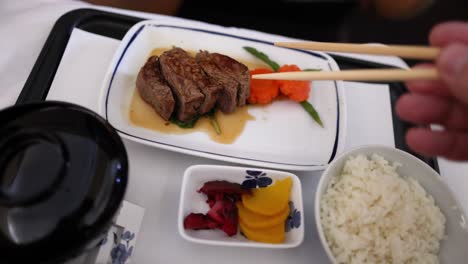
(376, 204)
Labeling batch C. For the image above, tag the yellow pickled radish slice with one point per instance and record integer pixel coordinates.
(270, 200)
(254, 220)
(275, 234)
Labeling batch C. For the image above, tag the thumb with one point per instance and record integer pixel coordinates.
(453, 66)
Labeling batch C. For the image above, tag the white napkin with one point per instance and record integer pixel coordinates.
(82, 69)
(155, 175)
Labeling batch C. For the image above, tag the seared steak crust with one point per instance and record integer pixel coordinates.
(177, 73)
(153, 88)
(237, 71)
(227, 99)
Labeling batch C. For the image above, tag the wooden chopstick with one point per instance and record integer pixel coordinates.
(355, 75)
(410, 52)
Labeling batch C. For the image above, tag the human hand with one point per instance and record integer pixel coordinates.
(443, 102)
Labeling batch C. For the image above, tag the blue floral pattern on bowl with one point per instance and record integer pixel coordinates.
(256, 178)
(121, 252)
(294, 218)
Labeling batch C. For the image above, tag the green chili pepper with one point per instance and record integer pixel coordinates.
(263, 57)
(312, 112)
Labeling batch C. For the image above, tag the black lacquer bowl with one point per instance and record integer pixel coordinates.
(63, 175)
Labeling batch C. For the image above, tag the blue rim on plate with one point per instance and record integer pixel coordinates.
(145, 24)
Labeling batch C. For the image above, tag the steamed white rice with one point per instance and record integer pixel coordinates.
(370, 214)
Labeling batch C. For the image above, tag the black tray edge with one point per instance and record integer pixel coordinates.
(43, 72)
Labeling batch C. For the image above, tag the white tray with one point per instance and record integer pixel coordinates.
(156, 174)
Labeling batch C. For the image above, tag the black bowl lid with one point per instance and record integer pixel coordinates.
(63, 175)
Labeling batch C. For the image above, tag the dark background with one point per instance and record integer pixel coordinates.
(355, 21)
(326, 20)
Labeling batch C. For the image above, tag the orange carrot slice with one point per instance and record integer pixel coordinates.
(262, 91)
(294, 90)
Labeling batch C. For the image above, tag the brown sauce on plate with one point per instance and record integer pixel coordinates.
(231, 125)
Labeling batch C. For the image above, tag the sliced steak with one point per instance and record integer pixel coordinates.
(189, 69)
(177, 73)
(154, 89)
(238, 72)
(227, 100)
(207, 86)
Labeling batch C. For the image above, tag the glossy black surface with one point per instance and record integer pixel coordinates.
(63, 174)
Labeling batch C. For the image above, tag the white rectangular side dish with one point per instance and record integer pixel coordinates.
(282, 135)
(191, 201)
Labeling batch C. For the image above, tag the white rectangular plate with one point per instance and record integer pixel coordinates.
(282, 136)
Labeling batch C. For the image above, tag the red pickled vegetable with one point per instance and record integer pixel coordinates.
(231, 219)
(223, 187)
(199, 221)
(222, 196)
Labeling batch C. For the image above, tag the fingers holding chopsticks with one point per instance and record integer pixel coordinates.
(449, 144)
(448, 33)
(425, 109)
(453, 67)
(430, 87)
(423, 106)
(443, 102)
